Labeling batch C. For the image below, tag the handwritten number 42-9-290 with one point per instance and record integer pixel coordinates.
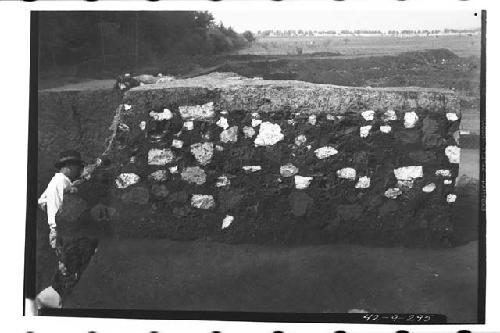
(395, 317)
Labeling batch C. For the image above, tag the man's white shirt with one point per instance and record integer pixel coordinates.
(52, 198)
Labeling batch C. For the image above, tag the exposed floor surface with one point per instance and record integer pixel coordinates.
(168, 275)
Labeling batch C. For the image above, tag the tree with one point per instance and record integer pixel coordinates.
(249, 36)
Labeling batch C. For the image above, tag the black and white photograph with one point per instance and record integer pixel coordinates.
(203, 164)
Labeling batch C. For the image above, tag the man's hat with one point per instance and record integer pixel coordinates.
(69, 157)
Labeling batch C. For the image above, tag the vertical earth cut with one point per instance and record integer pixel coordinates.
(287, 161)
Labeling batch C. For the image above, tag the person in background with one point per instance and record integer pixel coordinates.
(73, 251)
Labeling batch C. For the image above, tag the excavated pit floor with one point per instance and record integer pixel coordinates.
(197, 276)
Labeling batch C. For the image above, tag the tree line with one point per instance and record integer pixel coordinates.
(109, 38)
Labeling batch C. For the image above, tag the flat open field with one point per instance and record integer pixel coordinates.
(462, 46)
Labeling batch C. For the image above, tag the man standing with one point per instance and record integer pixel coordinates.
(73, 250)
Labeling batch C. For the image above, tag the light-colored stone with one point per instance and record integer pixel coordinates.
(219, 148)
(393, 193)
(347, 173)
(451, 198)
(409, 172)
(312, 119)
(197, 112)
(194, 175)
(49, 298)
(177, 143)
(222, 122)
(269, 134)
(165, 115)
(288, 170)
(429, 188)
(447, 181)
(300, 140)
(189, 125)
(142, 125)
(451, 116)
(325, 152)
(330, 117)
(368, 114)
(229, 135)
(160, 156)
(291, 122)
(411, 119)
(203, 152)
(252, 168)
(173, 169)
(364, 131)
(390, 115)
(443, 173)
(363, 182)
(158, 175)
(226, 222)
(222, 181)
(256, 122)
(202, 201)
(302, 182)
(249, 132)
(453, 154)
(385, 129)
(127, 107)
(125, 180)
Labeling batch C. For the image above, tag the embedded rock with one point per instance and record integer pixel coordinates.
(203, 152)
(194, 175)
(202, 201)
(269, 134)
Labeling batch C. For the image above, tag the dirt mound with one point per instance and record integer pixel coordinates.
(437, 68)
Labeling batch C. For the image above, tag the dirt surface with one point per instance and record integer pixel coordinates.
(166, 275)
(79, 86)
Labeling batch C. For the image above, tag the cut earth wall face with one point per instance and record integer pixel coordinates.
(78, 119)
(227, 158)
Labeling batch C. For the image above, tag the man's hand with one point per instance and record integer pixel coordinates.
(43, 206)
(53, 238)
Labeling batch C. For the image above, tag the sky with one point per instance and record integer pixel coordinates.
(351, 20)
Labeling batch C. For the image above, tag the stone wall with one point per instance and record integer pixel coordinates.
(247, 160)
